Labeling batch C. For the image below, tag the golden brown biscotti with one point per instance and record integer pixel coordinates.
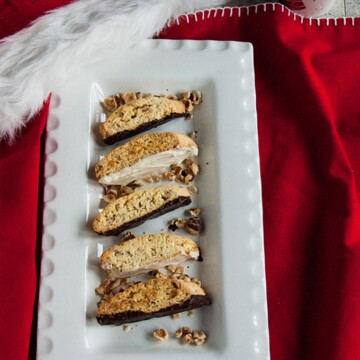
(134, 209)
(153, 298)
(137, 115)
(144, 156)
(147, 253)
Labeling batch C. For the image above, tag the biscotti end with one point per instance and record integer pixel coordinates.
(139, 115)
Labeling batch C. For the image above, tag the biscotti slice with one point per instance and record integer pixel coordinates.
(144, 156)
(147, 253)
(141, 114)
(134, 209)
(153, 298)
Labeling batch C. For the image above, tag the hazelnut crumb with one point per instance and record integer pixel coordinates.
(161, 334)
(157, 178)
(171, 268)
(127, 236)
(186, 330)
(193, 212)
(193, 135)
(193, 189)
(191, 313)
(110, 104)
(169, 175)
(180, 270)
(196, 281)
(176, 316)
(198, 341)
(199, 334)
(194, 168)
(126, 328)
(178, 333)
(149, 179)
(109, 198)
(100, 290)
(136, 184)
(188, 179)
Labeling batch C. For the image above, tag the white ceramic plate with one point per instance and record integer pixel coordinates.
(229, 195)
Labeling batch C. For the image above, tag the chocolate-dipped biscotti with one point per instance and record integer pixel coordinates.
(144, 156)
(134, 209)
(147, 253)
(153, 298)
(137, 115)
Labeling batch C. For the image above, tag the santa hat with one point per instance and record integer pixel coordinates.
(39, 58)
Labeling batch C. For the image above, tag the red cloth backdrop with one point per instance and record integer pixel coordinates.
(308, 86)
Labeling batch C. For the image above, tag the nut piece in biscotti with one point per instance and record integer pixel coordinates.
(141, 114)
(134, 209)
(153, 298)
(147, 253)
(144, 156)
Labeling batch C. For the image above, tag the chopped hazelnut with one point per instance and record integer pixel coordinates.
(110, 104)
(198, 341)
(135, 184)
(199, 334)
(109, 198)
(127, 236)
(172, 97)
(184, 95)
(188, 179)
(161, 334)
(127, 97)
(126, 328)
(186, 278)
(180, 223)
(149, 179)
(193, 135)
(177, 170)
(171, 268)
(193, 212)
(188, 339)
(195, 97)
(196, 281)
(186, 330)
(126, 190)
(193, 226)
(193, 189)
(191, 312)
(157, 178)
(179, 270)
(114, 284)
(194, 168)
(169, 175)
(176, 316)
(100, 290)
(178, 333)
(177, 224)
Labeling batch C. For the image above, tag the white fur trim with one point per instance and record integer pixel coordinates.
(47, 53)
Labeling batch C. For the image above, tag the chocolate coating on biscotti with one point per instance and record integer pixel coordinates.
(167, 207)
(194, 302)
(126, 134)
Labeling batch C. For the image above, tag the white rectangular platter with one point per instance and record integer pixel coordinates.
(233, 271)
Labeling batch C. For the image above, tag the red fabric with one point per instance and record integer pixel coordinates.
(307, 83)
(19, 183)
